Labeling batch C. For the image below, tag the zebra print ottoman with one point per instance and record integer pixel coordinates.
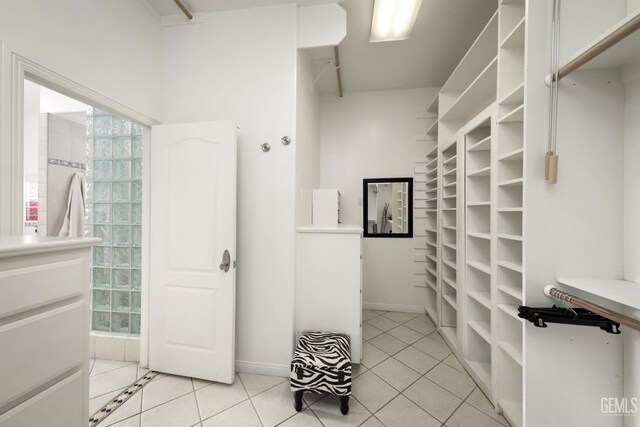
(322, 364)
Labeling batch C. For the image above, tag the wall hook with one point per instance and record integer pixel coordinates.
(286, 140)
(266, 147)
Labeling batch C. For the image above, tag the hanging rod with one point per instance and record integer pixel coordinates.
(184, 10)
(337, 60)
(618, 35)
(552, 292)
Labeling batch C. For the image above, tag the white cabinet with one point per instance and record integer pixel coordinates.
(329, 282)
(326, 207)
(44, 331)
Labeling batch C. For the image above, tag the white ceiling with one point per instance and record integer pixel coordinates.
(168, 7)
(443, 32)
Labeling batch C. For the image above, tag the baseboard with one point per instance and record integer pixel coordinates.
(271, 369)
(114, 347)
(393, 307)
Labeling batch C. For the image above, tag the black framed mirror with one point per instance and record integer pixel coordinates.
(388, 207)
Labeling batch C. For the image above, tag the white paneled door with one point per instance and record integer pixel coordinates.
(192, 250)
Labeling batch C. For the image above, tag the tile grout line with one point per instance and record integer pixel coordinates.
(121, 398)
(251, 401)
(195, 397)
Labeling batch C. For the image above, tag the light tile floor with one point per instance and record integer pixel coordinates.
(408, 377)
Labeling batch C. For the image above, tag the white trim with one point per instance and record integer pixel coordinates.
(403, 308)
(146, 248)
(23, 68)
(271, 369)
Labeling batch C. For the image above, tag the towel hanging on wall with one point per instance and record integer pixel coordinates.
(73, 225)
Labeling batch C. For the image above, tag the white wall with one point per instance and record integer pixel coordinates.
(307, 138)
(112, 47)
(241, 65)
(372, 135)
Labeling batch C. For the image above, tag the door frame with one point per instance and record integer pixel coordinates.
(21, 69)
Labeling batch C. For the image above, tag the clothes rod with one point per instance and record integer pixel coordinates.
(184, 10)
(337, 55)
(604, 44)
(555, 293)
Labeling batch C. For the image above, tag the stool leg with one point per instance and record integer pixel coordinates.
(298, 400)
(344, 404)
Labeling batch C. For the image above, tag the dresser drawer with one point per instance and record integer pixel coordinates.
(40, 348)
(56, 406)
(26, 288)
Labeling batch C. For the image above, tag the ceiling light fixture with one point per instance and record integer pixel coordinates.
(393, 19)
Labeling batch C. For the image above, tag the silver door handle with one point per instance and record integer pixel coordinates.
(226, 261)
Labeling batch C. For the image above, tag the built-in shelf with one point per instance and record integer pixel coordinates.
(429, 163)
(451, 159)
(449, 227)
(432, 285)
(516, 37)
(433, 129)
(450, 246)
(451, 282)
(511, 310)
(482, 145)
(514, 209)
(424, 137)
(514, 293)
(451, 172)
(512, 411)
(623, 53)
(485, 236)
(480, 266)
(512, 351)
(510, 237)
(515, 97)
(476, 204)
(512, 155)
(511, 182)
(449, 299)
(515, 115)
(482, 328)
(450, 335)
(453, 196)
(480, 172)
(484, 298)
(511, 266)
(483, 371)
(433, 105)
(475, 96)
(449, 264)
(618, 291)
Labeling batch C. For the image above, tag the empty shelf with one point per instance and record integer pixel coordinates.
(482, 371)
(482, 328)
(433, 129)
(514, 293)
(511, 182)
(475, 95)
(451, 159)
(485, 236)
(513, 155)
(450, 246)
(480, 172)
(516, 96)
(448, 227)
(450, 282)
(510, 237)
(480, 266)
(450, 264)
(515, 115)
(512, 351)
(512, 411)
(511, 266)
(482, 145)
(511, 310)
(450, 300)
(484, 298)
(620, 291)
(475, 204)
(516, 37)
(451, 172)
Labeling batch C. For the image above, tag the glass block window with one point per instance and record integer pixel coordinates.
(114, 213)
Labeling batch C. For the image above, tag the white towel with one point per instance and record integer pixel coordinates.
(73, 225)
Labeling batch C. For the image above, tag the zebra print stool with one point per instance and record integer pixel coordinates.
(322, 364)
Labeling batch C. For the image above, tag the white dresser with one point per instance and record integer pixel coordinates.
(329, 281)
(44, 331)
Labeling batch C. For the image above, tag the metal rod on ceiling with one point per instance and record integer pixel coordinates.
(184, 10)
(555, 293)
(337, 56)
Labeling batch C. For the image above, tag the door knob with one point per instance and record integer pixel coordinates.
(226, 261)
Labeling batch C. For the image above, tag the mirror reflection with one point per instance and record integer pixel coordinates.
(387, 207)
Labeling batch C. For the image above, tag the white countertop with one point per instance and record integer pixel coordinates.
(22, 245)
(335, 229)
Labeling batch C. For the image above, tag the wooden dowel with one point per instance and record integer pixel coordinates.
(184, 9)
(613, 38)
(553, 169)
(337, 57)
(604, 312)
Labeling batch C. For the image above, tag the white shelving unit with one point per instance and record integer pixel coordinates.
(447, 320)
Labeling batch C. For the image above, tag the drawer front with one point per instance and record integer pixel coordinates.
(30, 287)
(58, 406)
(49, 345)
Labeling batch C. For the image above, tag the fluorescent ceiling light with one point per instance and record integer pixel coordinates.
(393, 19)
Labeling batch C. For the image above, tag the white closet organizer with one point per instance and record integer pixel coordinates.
(480, 186)
(425, 224)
